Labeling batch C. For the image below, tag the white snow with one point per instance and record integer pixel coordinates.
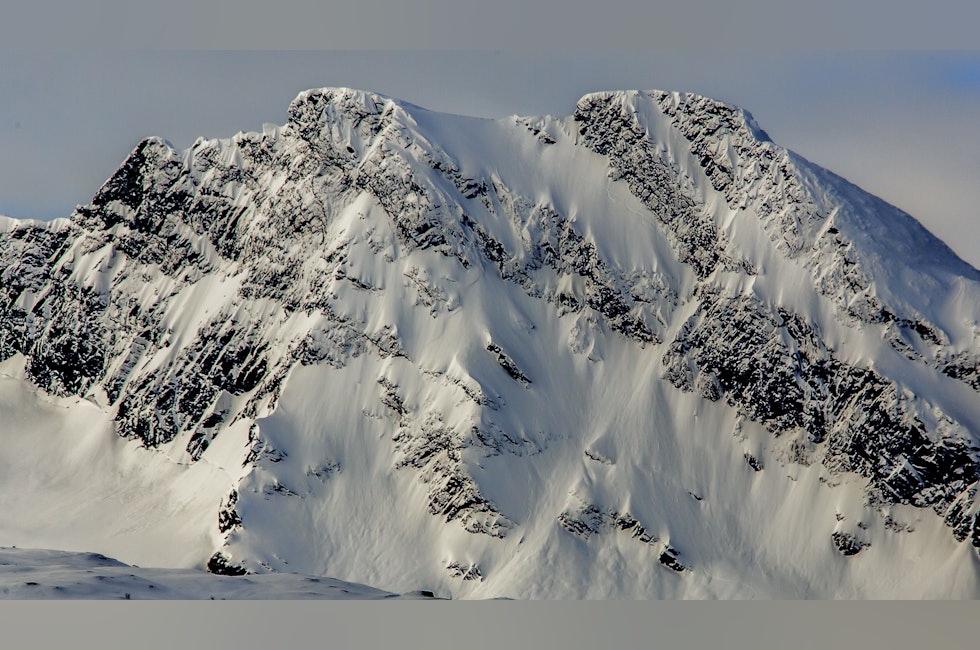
(35, 574)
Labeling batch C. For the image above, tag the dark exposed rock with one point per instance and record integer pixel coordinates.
(847, 544)
(785, 208)
(466, 572)
(228, 517)
(962, 516)
(220, 565)
(753, 462)
(508, 365)
(776, 369)
(556, 244)
(736, 156)
(610, 129)
(669, 558)
(588, 519)
(453, 494)
(964, 367)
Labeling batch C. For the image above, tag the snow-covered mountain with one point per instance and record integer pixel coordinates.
(638, 351)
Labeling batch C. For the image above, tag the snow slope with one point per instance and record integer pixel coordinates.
(31, 574)
(638, 351)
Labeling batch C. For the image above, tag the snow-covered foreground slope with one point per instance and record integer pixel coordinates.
(640, 351)
(27, 574)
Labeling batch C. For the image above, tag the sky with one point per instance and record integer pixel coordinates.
(900, 124)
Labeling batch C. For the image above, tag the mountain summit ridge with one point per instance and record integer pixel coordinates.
(640, 350)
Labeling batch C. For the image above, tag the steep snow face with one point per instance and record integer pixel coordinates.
(637, 351)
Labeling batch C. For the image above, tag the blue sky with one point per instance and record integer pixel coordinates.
(903, 125)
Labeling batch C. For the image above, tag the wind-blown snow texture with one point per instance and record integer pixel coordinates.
(639, 351)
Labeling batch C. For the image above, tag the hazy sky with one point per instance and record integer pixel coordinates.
(903, 125)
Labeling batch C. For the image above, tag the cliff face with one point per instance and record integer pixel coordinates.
(640, 350)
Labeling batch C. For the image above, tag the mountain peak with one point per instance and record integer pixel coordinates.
(626, 352)
(330, 103)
